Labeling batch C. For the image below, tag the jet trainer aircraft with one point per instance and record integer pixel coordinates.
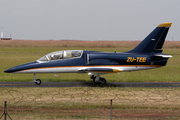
(147, 55)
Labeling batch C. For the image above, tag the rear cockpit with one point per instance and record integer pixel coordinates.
(60, 55)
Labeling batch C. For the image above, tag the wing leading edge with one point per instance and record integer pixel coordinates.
(99, 70)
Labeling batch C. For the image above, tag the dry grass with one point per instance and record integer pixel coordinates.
(78, 43)
(51, 97)
(91, 103)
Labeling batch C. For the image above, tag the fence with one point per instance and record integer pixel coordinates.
(90, 103)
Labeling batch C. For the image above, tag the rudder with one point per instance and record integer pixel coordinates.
(154, 41)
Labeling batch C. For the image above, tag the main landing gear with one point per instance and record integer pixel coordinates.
(98, 80)
(37, 81)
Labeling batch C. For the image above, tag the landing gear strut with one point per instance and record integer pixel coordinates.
(98, 80)
(37, 81)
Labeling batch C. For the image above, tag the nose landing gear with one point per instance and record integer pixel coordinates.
(37, 81)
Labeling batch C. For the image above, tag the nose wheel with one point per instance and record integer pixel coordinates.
(37, 81)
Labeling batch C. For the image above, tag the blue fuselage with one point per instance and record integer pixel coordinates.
(89, 59)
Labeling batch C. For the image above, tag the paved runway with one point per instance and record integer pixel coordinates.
(86, 84)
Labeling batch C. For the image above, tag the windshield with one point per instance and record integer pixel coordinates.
(59, 55)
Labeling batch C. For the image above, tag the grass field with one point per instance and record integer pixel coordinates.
(17, 52)
(86, 102)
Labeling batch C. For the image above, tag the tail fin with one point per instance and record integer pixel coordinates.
(154, 41)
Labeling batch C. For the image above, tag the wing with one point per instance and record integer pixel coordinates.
(99, 70)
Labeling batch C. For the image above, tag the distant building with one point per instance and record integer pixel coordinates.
(5, 38)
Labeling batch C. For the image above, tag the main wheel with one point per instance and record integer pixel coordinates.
(95, 81)
(38, 82)
(102, 82)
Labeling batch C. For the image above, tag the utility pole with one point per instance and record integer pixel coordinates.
(5, 112)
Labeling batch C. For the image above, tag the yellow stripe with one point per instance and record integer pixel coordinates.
(116, 70)
(166, 24)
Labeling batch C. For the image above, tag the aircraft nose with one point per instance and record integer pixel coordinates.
(20, 67)
(9, 70)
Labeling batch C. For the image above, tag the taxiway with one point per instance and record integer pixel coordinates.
(88, 84)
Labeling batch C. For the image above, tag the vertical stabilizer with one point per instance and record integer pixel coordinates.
(154, 41)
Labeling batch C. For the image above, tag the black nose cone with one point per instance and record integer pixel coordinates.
(9, 70)
(21, 67)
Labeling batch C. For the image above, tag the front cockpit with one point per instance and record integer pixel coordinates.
(60, 55)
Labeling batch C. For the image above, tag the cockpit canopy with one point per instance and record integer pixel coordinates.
(60, 55)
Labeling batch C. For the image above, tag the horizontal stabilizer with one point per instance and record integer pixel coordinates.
(162, 56)
(99, 70)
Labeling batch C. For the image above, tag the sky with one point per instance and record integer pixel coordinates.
(87, 19)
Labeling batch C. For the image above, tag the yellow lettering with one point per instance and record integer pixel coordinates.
(140, 60)
(133, 59)
(137, 59)
(144, 59)
(129, 58)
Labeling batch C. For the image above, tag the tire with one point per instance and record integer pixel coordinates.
(102, 82)
(94, 81)
(38, 82)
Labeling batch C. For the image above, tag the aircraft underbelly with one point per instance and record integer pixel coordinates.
(72, 69)
(50, 70)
